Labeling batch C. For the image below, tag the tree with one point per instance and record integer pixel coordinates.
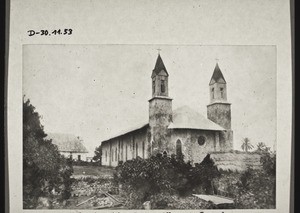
(98, 154)
(44, 169)
(246, 145)
(262, 148)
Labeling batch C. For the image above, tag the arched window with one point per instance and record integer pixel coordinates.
(137, 150)
(222, 92)
(116, 155)
(213, 92)
(178, 148)
(143, 148)
(153, 86)
(163, 86)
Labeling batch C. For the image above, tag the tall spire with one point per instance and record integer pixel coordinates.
(159, 66)
(217, 76)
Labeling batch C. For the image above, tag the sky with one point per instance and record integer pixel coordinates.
(96, 91)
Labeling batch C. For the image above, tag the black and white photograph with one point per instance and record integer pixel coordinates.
(149, 127)
(149, 106)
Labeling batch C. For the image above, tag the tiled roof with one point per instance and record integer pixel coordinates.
(67, 142)
(217, 76)
(186, 118)
(159, 66)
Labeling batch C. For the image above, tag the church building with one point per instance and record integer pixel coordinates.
(180, 131)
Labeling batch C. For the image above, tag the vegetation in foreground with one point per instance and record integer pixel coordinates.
(169, 182)
(45, 171)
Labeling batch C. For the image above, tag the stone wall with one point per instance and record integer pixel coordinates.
(160, 116)
(220, 113)
(190, 147)
(226, 140)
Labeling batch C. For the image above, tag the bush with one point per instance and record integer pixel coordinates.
(254, 188)
(257, 190)
(44, 169)
(143, 178)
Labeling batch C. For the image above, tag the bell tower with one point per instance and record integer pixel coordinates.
(219, 109)
(160, 108)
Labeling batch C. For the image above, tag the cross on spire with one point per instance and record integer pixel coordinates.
(217, 60)
(158, 50)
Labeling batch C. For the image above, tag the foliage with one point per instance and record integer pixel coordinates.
(268, 161)
(257, 190)
(44, 169)
(144, 178)
(98, 154)
(247, 145)
(254, 188)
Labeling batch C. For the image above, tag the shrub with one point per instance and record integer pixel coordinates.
(254, 188)
(143, 178)
(257, 191)
(98, 154)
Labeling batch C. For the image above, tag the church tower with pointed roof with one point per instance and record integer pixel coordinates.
(160, 108)
(219, 109)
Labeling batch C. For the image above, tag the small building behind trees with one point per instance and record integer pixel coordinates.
(69, 145)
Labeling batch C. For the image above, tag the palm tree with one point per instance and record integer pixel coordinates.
(261, 146)
(246, 145)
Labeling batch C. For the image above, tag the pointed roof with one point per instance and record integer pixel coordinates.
(67, 142)
(186, 118)
(217, 76)
(159, 66)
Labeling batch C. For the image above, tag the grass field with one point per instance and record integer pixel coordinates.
(94, 171)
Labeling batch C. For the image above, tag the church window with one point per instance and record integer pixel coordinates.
(222, 92)
(126, 153)
(137, 150)
(116, 155)
(153, 86)
(213, 92)
(163, 86)
(133, 146)
(201, 140)
(143, 151)
(178, 147)
(106, 155)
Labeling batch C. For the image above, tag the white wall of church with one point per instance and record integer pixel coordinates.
(125, 148)
(191, 149)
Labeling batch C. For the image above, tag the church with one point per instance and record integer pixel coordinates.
(180, 131)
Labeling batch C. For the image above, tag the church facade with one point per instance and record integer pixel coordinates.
(181, 131)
